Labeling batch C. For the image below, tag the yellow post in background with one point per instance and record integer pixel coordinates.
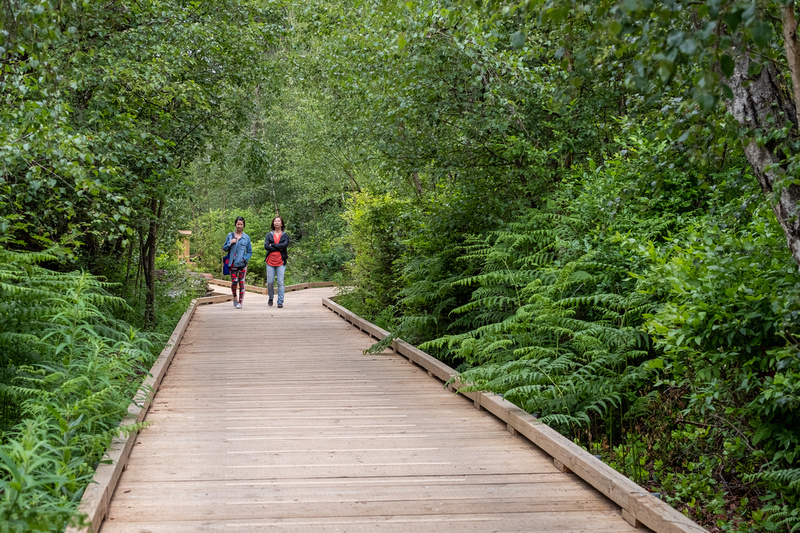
(183, 246)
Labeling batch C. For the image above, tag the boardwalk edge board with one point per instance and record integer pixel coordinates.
(263, 290)
(639, 507)
(97, 496)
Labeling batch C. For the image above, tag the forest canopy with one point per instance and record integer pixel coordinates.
(588, 207)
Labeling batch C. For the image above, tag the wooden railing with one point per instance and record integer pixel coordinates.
(639, 507)
(263, 290)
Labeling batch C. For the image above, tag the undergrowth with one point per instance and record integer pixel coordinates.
(657, 329)
(69, 371)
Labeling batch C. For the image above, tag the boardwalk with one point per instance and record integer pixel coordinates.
(274, 420)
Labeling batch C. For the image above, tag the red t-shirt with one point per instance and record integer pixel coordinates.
(274, 258)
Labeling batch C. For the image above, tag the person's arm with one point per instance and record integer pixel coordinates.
(284, 242)
(269, 246)
(248, 252)
(227, 246)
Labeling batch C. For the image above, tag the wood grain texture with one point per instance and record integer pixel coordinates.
(274, 420)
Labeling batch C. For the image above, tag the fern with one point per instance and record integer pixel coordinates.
(543, 329)
(68, 371)
(786, 477)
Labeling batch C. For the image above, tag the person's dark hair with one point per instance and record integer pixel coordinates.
(283, 223)
(238, 219)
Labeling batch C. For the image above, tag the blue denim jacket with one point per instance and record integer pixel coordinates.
(241, 251)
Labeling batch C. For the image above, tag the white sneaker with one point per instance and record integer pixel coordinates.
(238, 305)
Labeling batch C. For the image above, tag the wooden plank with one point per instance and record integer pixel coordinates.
(602, 522)
(277, 419)
(215, 299)
(253, 508)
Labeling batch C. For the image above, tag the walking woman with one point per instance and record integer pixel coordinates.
(238, 243)
(275, 244)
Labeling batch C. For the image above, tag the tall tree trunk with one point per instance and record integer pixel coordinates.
(138, 283)
(792, 47)
(762, 103)
(150, 263)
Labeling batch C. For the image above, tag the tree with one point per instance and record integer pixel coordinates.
(741, 55)
(104, 105)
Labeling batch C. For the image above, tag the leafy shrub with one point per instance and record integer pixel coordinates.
(727, 336)
(378, 226)
(39, 492)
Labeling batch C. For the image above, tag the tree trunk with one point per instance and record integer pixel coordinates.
(128, 263)
(150, 263)
(762, 103)
(792, 47)
(137, 285)
(417, 184)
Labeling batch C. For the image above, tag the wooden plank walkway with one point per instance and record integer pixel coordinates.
(274, 420)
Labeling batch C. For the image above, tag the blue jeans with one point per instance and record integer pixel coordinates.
(271, 272)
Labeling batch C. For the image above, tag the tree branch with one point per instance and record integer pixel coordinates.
(792, 47)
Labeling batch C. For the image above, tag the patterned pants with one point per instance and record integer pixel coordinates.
(237, 279)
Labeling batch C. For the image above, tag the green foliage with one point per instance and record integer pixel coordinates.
(430, 292)
(550, 326)
(69, 371)
(727, 336)
(281, 169)
(670, 42)
(39, 491)
(176, 287)
(378, 227)
(103, 106)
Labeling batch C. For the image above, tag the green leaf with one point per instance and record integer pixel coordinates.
(518, 39)
(727, 65)
(688, 46)
(753, 69)
(706, 100)
(732, 20)
(727, 91)
(633, 5)
(762, 33)
(675, 38)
